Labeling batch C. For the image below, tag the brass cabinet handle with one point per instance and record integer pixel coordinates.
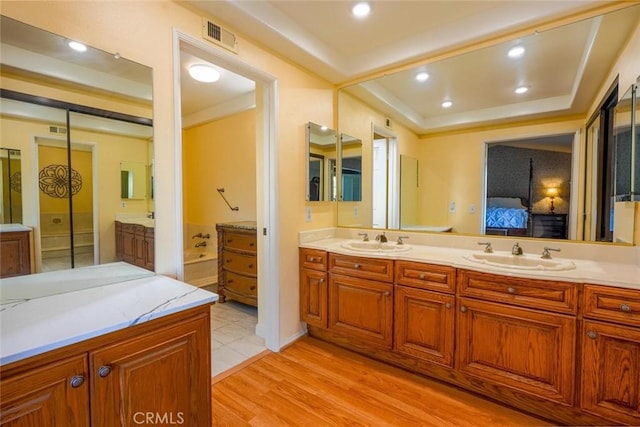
(252, 288)
(625, 307)
(321, 280)
(104, 371)
(511, 290)
(251, 244)
(422, 276)
(228, 261)
(77, 381)
(463, 309)
(356, 265)
(448, 305)
(312, 259)
(250, 265)
(387, 293)
(592, 334)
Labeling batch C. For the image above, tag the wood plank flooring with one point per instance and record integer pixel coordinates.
(312, 383)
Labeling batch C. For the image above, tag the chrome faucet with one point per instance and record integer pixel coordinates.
(487, 247)
(365, 237)
(516, 249)
(399, 241)
(381, 238)
(546, 254)
(201, 244)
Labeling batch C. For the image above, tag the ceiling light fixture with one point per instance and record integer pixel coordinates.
(516, 52)
(422, 76)
(520, 90)
(204, 73)
(361, 10)
(447, 104)
(77, 46)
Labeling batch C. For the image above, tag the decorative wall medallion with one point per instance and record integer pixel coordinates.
(15, 182)
(54, 181)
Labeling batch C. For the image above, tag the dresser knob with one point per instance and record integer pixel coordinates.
(321, 280)
(312, 259)
(250, 265)
(356, 265)
(387, 293)
(229, 240)
(228, 261)
(448, 305)
(104, 371)
(592, 334)
(463, 309)
(252, 288)
(625, 307)
(230, 281)
(77, 381)
(422, 276)
(251, 244)
(511, 290)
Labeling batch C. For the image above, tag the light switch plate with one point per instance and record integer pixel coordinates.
(307, 214)
(452, 207)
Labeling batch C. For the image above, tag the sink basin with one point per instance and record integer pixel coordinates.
(360, 246)
(521, 262)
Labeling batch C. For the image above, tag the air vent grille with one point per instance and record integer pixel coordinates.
(219, 36)
(57, 129)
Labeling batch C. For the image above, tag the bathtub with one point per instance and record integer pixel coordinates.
(200, 268)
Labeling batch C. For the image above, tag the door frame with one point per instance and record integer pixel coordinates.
(268, 235)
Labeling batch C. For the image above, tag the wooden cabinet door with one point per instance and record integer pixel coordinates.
(45, 396)
(118, 226)
(14, 254)
(149, 252)
(128, 246)
(611, 372)
(313, 297)
(361, 309)
(525, 349)
(165, 373)
(424, 324)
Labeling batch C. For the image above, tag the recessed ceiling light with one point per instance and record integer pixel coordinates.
(447, 104)
(77, 46)
(522, 89)
(422, 76)
(516, 52)
(204, 73)
(361, 10)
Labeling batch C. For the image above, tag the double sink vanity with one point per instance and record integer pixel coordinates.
(556, 337)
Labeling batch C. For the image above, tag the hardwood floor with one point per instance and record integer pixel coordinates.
(312, 383)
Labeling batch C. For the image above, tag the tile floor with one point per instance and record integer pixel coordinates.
(233, 338)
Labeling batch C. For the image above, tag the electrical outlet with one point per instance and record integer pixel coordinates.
(452, 207)
(355, 211)
(124, 204)
(307, 215)
(472, 209)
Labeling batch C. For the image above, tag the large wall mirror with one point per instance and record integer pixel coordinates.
(78, 117)
(500, 128)
(321, 166)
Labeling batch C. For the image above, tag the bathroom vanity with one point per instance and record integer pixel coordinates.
(15, 250)
(104, 346)
(540, 338)
(238, 262)
(135, 242)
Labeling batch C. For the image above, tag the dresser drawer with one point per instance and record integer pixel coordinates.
(538, 294)
(426, 276)
(612, 304)
(240, 241)
(364, 268)
(243, 285)
(313, 259)
(239, 263)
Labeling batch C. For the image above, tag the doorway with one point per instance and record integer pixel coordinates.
(265, 202)
(386, 182)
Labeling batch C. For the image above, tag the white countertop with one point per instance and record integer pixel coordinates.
(45, 311)
(586, 271)
(8, 228)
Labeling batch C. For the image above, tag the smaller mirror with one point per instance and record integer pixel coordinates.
(11, 180)
(350, 168)
(133, 180)
(321, 165)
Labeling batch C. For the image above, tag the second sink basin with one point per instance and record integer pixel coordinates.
(361, 246)
(521, 262)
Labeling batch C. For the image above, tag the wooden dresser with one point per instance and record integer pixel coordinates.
(238, 262)
(550, 226)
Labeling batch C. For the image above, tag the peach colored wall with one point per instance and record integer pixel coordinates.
(220, 154)
(142, 32)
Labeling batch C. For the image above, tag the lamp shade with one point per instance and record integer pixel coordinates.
(551, 191)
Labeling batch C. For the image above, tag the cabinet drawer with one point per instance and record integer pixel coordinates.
(612, 304)
(538, 294)
(128, 228)
(240, 241)
(239, 284)
(313, 259)
(426, 276)
(239, 263)
(365, 268)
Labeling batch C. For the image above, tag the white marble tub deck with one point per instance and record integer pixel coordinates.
(45, 311)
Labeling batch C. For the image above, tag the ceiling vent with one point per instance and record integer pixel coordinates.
(56, 129)
(219, 36)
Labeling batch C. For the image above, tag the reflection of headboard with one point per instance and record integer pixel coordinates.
(511, 216)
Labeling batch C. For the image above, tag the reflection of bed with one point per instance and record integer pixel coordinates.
(509, 216)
